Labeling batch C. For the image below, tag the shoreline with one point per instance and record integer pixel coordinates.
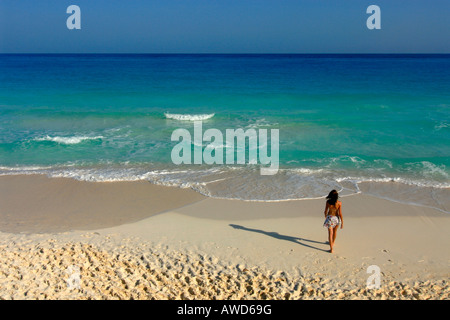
(40, 204)
(248, 185)
(186, 246)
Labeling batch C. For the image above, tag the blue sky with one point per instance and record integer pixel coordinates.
(224, 26)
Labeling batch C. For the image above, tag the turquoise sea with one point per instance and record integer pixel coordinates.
(377, 124)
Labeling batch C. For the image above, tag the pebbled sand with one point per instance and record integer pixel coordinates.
(194, 247)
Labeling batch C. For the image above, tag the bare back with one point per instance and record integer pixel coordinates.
(333, 210)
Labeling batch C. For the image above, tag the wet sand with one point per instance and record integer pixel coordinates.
(36, 203)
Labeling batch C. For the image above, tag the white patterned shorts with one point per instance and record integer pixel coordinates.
(331, 222)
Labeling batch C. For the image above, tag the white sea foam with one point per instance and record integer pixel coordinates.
(258, 123)
(188, 117)
(384, 162)
(427, 169)
(441, 125)
(68, 140)
(25, 168)
(245, 183)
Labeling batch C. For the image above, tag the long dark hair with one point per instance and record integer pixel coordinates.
(332, 197)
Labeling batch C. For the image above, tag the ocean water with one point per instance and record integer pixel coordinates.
(376, 124)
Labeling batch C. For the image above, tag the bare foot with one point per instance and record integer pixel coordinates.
(331, 250)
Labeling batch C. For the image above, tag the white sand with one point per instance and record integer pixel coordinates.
(225, 249)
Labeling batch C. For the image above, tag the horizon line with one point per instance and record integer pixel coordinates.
(215, 53)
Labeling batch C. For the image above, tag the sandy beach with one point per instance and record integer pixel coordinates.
(65, 239)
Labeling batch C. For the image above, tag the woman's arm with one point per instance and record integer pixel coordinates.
(340, 215)
(326, 209)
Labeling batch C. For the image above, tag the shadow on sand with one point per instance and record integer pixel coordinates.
(276, 235)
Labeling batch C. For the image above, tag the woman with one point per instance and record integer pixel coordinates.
(333, 216)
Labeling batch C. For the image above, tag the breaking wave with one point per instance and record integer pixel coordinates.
(68, 140)
(188, 117)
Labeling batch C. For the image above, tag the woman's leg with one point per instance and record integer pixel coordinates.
(330, 239)
(335, 229)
